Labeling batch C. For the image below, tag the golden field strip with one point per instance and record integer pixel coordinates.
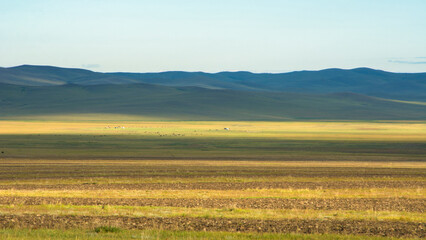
(366, 131)
(202, 194)
(368, 182)
(148, 211)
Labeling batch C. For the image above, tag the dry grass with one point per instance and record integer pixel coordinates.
(383, 131)
(135, 211)
(206, 163)
(203, 194)
(220, 179)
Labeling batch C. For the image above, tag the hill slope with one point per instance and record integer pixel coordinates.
(193, 103)
(401, 86)
(366, 81)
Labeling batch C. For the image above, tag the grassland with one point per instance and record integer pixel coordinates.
(195, 180)
(371, 141)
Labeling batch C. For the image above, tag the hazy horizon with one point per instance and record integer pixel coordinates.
(94, 70)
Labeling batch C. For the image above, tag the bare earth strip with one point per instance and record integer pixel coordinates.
(225, 186)
(21, 172)
(15, 170)
(356, 204)
(382, 228)
(224, 179)
(190, 162)
(417, 193)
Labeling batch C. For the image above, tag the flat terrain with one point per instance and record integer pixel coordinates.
(196, 180)
(113, 139)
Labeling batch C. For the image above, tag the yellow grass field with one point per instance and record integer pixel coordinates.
(383, 131)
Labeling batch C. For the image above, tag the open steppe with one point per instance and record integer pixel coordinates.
(81, 179)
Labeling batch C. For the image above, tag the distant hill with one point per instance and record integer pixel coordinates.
(195, 103)
(357, 94)
(28, 75)
(401, 86)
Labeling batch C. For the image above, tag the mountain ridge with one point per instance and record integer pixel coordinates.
(366, 81)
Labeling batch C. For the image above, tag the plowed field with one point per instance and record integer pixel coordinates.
(372, 201)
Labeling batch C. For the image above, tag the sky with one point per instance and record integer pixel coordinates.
(214, 36)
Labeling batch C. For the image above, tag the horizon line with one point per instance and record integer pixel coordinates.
(236, 71)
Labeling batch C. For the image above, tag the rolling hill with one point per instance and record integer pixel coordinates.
(376, 83)
(361, 80)
(195, 103)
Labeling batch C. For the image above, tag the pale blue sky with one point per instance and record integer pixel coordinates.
(217, 35)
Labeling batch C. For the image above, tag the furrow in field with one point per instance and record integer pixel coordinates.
(347, 226)
(182, 180)
(225, 185)
(149, 211)
(178, 171)
(418, 193)
(356, 204)
(192, 162)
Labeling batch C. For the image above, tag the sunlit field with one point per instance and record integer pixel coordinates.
(370, 141)
(366, 131)
(135, 179)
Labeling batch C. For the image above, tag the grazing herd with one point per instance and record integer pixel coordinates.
(117, 127)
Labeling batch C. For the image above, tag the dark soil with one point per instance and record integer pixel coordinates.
(360, 204)
(376, 228)
(226, 185)
(51, 171)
